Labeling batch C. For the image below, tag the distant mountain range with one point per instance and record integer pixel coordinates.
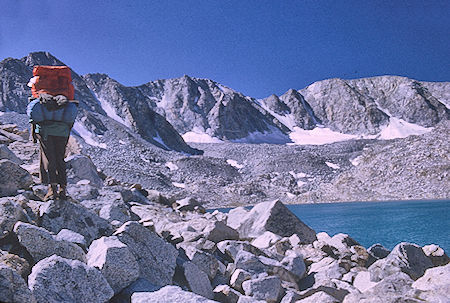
(164, 112)
(150, 134)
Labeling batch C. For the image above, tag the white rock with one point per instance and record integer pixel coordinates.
(56, 216)
(156, 258)
(406, 257)
(265, 240)
(362, 281)
(56, 279)
(317, 297)
(115, 261)
(71, 236)
(435, 279)
(41, 244)
(270, 216)
(436, 254)
(169, 294)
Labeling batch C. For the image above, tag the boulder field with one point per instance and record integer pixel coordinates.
(115, 242)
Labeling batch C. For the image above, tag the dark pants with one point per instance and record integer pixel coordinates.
(52, 165)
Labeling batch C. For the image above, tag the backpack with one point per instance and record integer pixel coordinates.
(53, 80)
(40, 111)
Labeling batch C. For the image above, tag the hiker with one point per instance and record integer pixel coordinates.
(52, 112)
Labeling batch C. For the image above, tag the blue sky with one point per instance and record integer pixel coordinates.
(256, 47)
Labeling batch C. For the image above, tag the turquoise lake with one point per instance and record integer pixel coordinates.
(388, 223)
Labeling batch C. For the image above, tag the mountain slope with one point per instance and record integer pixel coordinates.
(14, 93)
(193, 106)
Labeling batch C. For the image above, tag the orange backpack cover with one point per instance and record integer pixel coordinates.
(53, 80)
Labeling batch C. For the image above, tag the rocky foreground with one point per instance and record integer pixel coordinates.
(114, 242)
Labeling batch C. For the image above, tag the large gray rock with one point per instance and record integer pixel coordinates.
(168, 294)
(55, 279)
(82, 191)
(265, 288)
(156, 258)
(394, 288)
(55, 216)
(116, 262)
(248, 299)
(224, 293)
(219, 231)
(250, 263)
(80, 167)
(140, 285)
(435, 284)
(273, 217)
(378, 251)
(238, 277)
(205, 261)
(197, 280)
(13, 288)
(6, 153)
(10, 213)
(232, 248)
(71, 236)
(319, 296)
(115, 213)
(42, 244)
(12, 178)
(405, 257)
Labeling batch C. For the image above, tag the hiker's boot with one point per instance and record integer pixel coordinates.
(62, 192)
(52, 192)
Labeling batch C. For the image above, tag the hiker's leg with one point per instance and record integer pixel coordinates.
(51, 156)
(60, 149)
(43, 160)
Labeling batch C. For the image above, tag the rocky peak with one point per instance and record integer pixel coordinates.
(41, 58)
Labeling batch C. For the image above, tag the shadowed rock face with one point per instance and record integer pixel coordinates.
(188, 104)
(131, 108)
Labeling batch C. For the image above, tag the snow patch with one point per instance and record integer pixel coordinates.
(332, 165)
(172, 166)
(300, 183)
(158, 139)
(356, 161)
(122, 142)
(83, 182)
(287, 120)
(234, 164)
(179, 185)
(298, 175)
(197, 135)
(399, 128)
(144, 159)
(224, 89)
(273, 136)
(290, 195)
(111, 112)
(86, 135)
(317, 136)
(2, 113)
